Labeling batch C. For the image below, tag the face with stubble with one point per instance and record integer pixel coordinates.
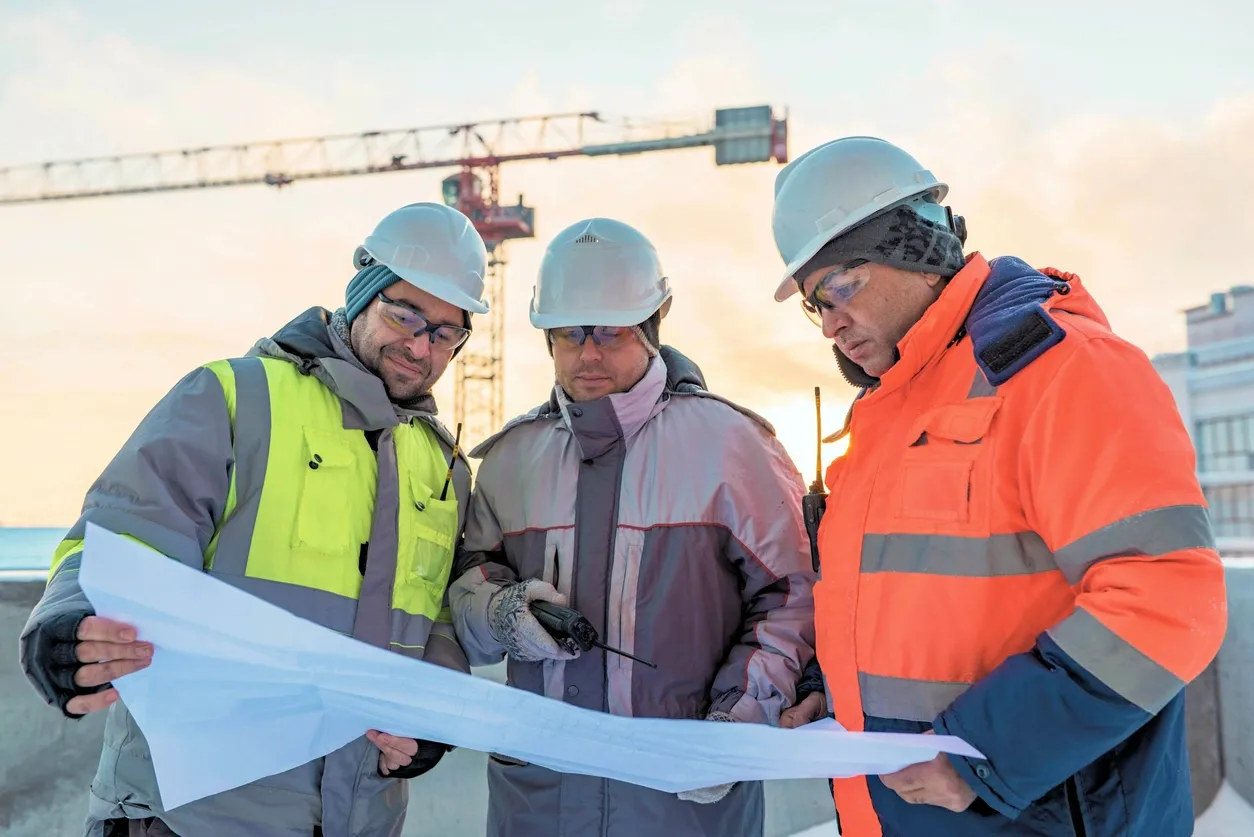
(865, 309)
(383, 338)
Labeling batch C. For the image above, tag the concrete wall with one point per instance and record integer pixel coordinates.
(1201, 705)
(46, 762)
(1236, 684)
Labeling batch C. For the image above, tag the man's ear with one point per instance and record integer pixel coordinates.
(933, 279)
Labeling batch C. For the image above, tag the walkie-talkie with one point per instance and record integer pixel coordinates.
(572, 630)
(815, 502)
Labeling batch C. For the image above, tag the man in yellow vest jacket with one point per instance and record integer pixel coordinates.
(311, 473)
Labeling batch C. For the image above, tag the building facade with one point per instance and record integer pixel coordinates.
(1213, 384)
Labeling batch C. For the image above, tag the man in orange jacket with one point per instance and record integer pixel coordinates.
(1015, 549)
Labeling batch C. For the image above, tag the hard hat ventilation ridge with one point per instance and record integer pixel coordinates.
(587, 238)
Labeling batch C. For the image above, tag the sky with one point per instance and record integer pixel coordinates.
(1117, 145)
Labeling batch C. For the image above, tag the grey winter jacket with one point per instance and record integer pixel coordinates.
(167, 487)
(671, 519)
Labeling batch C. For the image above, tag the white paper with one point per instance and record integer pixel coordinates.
(239, 689)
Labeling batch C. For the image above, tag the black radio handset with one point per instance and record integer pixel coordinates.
(815, 502)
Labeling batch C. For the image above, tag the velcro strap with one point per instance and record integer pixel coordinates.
(1027, 341)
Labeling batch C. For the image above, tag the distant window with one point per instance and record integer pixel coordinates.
(1231, 510)
(1225, 444)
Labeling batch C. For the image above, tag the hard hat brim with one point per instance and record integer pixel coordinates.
(788, 285)
(605, 317)
(442, 289)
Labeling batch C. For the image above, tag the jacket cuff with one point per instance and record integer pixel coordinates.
(979, 773)
(811, 681)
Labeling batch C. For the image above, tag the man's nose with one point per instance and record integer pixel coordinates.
(589, 351)
(833, 321)
(420, 346)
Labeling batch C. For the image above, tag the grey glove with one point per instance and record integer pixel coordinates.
(513, 625)
(706, 796)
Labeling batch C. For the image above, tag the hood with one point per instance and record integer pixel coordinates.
(1008, 322)
(682, 374)
(316, 341)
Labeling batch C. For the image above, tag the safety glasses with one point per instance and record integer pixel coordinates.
(835, 290)
(410, 323)
(607, 337)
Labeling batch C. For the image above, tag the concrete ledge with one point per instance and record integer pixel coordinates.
(47, 761)
(1236, 684)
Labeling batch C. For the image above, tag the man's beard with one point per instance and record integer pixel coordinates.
(413, 387)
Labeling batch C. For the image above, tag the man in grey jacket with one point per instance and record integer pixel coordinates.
(666, 515)
(304, 474)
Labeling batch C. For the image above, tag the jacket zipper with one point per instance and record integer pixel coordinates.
(1073, 805)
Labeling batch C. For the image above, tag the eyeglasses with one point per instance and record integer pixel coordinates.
(409, 322)
(569, 337)
(835, 290)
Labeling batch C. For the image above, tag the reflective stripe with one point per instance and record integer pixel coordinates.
(372, 624)
(1152, 533)
(251, 444)
(1115, 662)
(1023, 553)
(327, 609)
(409, 629)
(980, 387)
(906, 699)
(624, 607)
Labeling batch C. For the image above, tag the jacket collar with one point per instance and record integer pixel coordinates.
(317, 347)
(927, 340)
(599, 423)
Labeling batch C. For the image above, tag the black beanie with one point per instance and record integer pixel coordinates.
(898, 238)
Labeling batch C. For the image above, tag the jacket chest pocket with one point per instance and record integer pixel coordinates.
(945, 471)
(336, 496)
(428, 537)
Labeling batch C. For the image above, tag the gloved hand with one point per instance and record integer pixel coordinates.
(513, 625)
(72, 658)
(714, 793)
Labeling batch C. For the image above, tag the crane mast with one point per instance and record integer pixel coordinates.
(738, 135)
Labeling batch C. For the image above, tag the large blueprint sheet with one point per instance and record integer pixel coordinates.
(240, 689)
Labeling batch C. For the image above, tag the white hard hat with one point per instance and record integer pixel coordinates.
(598, 272)
(435, 248)
(836, 186)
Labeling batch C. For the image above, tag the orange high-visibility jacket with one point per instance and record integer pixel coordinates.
(1016, 551)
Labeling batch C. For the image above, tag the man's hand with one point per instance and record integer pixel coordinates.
(406, 758)
(932, 782)
(104, 651)
(394, 752)
(812, 708)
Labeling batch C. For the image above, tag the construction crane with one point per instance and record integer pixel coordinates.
(738, 135)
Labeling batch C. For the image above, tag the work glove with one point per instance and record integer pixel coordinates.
(49, 657)
(428, 756)
(512, 624)
(714, 793)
